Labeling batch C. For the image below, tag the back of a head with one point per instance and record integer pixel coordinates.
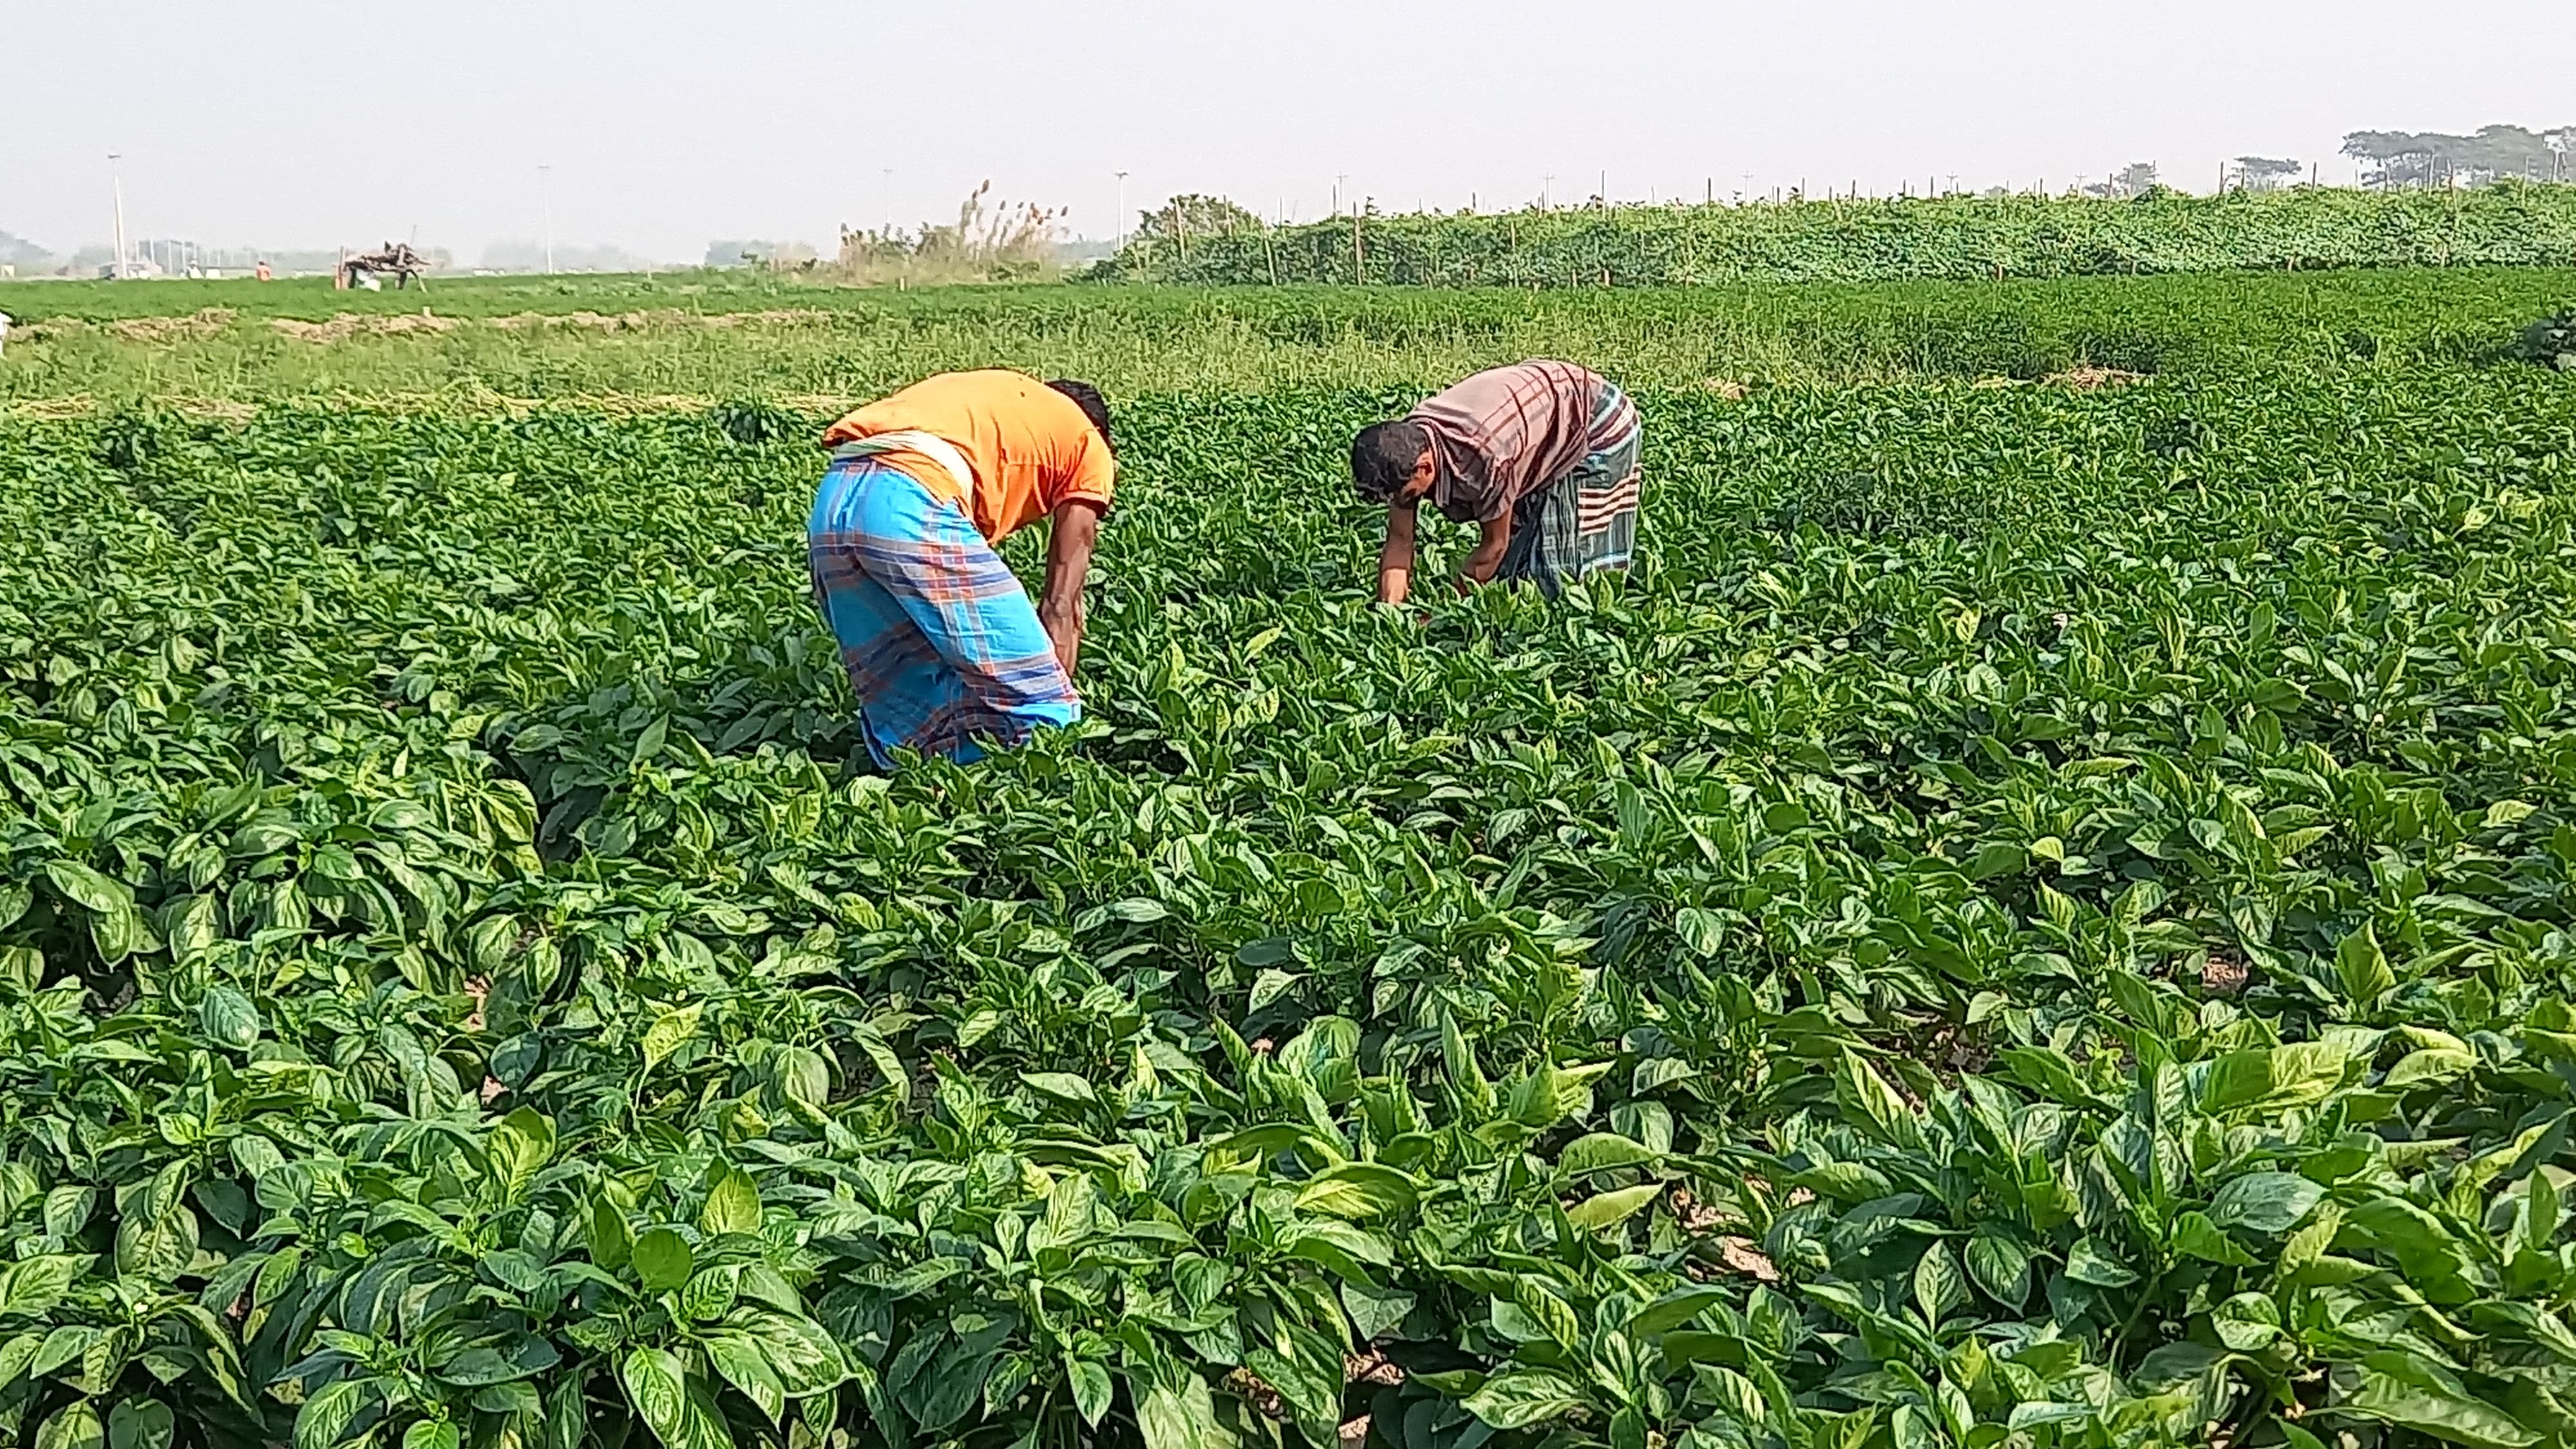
(1093, 405)
(1384, 455)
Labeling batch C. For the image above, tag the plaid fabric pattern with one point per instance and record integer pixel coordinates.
(943, 647)
(1507, 432)
(1586, 520)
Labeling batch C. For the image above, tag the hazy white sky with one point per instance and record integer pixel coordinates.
(284, 123)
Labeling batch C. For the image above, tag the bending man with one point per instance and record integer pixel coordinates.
(1542, 455)
(943, 645)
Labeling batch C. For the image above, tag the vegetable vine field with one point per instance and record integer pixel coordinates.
(2039, 916)
(1959, 237)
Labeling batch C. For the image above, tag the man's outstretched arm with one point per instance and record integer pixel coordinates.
(1491, 545)
(1069, 545)
(1395, 561)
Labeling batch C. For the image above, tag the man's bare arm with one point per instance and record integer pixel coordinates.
(1069, 545)
(1395, 561)
(1491, 545)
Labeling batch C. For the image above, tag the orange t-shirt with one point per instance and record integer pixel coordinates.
(1029, 446)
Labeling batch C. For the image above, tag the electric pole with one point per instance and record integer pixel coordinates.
(546, 215)
(116, 181)
(1122, 210)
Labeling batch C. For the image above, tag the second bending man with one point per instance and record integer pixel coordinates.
(1542, 455)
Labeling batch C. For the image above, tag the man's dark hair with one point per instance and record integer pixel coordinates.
(1093, 405)
(1383, 457)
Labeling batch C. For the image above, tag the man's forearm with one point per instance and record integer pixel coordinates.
(1478, 569)
(1062, 620)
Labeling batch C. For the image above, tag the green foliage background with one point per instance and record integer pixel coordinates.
(2036, 917)
(1956, 237)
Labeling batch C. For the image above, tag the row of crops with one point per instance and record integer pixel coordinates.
(2037, 918)
(627, 342)
(1956, 237)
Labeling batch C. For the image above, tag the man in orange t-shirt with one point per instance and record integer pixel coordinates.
(943, 645)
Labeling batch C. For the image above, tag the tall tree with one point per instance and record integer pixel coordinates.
(2431, 158)
(1195, 216)
(2266, 173)
(2135, 179)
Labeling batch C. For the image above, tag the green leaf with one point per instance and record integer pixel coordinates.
(2247, 1322)
(1357, 1190)
(649, 744)
(432, 1434)
(1375, 1311)
(2401, 1388)
(611, 1241)
(73, 1426)
(1200, 1279)
(140, 1424)
(325, 1416)
(1272, 984)
(2194, 1234)
(710, 1293)
(518, 1147)
(1091, 1389)
(1601, 1152)
(90, 891)
(2265, 1202)
(1703, 931)
(2090, 1263)
(668, 1033)
(663, 1260)
(228, 1018)
(1870, 1103)
(732, 1206)
(2000, 1265)
(658, 1387)
(1674, 1309)
(2364, 967)
(1176, 1415)
(1344, 1250)
(1610, 1208)
(1938, 1284)
(2430, 1067)
(1519, 1397)
(1063, 1086)
(806, 1359)
(519, 1356)
(737, 1356)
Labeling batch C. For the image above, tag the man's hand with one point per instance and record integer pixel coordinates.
(1395, 560)
(1491, 545)
(1069, 544)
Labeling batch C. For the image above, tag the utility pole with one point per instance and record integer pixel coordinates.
(885, 193)
(1122, 210)
(1544, 183)
(116, 180)
(546, 215)
(1337, 191)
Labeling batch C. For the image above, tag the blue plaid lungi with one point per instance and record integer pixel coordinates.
(943, 647)
(1586, 521)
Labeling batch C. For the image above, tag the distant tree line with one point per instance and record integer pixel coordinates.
(2493, 153)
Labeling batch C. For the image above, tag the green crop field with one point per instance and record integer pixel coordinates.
(2039, 916)
(1957, 237)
